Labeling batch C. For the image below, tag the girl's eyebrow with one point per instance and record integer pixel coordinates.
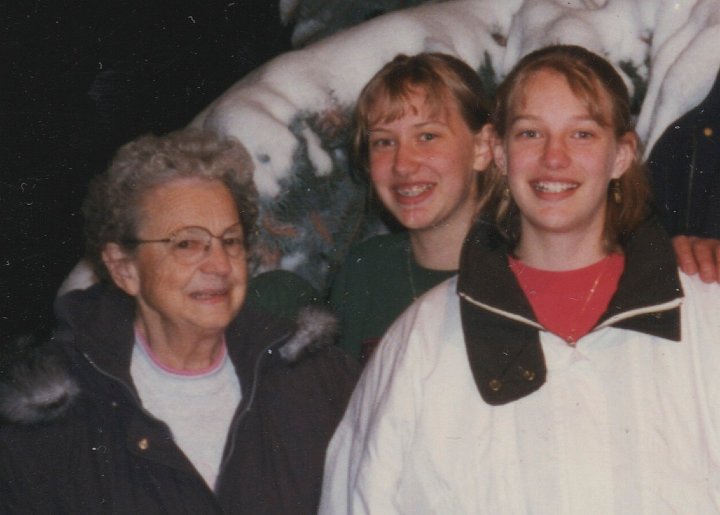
(429, 122)
(533, 118)
(420, 125)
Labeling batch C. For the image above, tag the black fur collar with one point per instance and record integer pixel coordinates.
(40, 386)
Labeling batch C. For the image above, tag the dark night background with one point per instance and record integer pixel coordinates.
(79, 79)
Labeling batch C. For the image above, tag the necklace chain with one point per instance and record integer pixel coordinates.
(571, 338)
(408, 255)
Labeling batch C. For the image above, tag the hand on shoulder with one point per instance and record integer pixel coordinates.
(698, 255)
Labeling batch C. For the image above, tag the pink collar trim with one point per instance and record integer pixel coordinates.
(215, 365)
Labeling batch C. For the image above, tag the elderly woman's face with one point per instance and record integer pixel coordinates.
(203, 296)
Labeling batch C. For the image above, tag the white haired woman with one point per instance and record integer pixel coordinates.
(161, 393)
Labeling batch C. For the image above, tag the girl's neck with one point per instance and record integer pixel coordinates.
(439, 248)
(560, 251)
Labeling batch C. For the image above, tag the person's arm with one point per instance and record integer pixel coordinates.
(698, 255)
(342, 300)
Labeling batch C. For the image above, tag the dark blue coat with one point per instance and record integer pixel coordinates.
(82, 443)
(685, 170)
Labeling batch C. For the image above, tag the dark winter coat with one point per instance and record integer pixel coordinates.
(685, 170)
(80, 441)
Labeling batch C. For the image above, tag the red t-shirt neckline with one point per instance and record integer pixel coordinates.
(569, 303)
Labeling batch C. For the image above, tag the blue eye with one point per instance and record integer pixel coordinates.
(427, 136)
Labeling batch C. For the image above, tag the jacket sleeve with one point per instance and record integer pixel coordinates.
(18, 492)
(366, 456)
(342, 299)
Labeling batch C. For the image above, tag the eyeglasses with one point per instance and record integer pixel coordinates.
(190, 245)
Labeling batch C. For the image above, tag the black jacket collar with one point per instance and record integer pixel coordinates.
(502, 333)
(98, 322)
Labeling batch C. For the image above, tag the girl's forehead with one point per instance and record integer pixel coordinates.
(590, 93)
(410, 100)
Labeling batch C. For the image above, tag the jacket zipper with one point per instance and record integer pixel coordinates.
(687, 214)
(140, 407)
(501, 312)
(232, 432)
(129, 390)
(666, 306)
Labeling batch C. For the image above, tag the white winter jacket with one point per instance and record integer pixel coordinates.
(626, 422)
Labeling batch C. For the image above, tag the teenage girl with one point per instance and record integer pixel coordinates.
(422, 138)
(569, 368)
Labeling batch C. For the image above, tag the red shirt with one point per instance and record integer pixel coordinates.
(570, 302)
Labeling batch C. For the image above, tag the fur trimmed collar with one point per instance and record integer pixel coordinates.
(39, 387)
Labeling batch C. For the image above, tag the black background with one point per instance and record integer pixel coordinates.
(79, 79)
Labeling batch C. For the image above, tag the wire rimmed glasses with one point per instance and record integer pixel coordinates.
(190, 245)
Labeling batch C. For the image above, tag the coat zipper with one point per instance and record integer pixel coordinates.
(232, 432)
(687, 215)
(666, 306)
(129, 390)
(501, 312)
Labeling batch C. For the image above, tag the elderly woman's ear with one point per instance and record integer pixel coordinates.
(121, 268)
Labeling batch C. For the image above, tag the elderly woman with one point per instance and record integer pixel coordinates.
(161, 393)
